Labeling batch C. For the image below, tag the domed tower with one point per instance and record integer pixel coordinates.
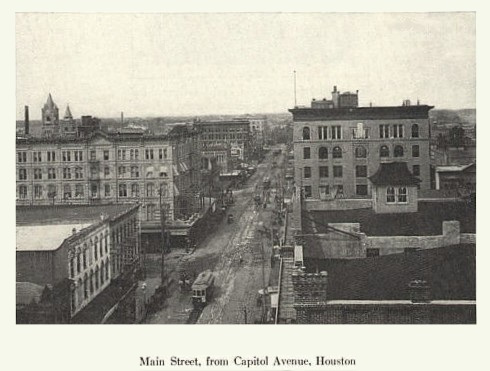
(50, 117)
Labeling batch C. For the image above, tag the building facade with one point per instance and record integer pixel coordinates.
(89, 257)
(236, 133)
(107, 168)
(338, 145)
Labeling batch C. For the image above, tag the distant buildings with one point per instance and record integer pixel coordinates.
(338, 145)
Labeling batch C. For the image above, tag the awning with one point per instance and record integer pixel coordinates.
(163, 171)
(149, 170)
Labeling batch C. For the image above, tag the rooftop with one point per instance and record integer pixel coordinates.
(67, 214)
(426, 221)
(450, 272)
(394, 174)
(44, 237)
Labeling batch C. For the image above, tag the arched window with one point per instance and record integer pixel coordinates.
(101, 247)
(85, 256)
(415, 131)
(79, 291)
(85, 286)
(398, 152)
(306, 133)
(384, 151)
(390, 195)
(107, 266)
(91, 282)
(135, 190)
(360, 152)
(102, 272)
(402, 194)
(322, 153)
(78, 263)
(96, 248)
(337, 152)
(96, 277)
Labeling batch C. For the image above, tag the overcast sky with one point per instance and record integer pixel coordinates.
(197, 64)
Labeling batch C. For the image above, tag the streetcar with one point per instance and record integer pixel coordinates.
(202, 288)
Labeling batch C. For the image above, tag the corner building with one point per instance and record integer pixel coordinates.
(338, 145)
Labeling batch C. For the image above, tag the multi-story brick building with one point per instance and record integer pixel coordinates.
(338, 145)
(235, 133)
(107, 168)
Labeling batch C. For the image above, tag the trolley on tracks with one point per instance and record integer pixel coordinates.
(202, 288)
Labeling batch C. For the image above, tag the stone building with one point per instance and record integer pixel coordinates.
(104, 168)
(338, 145)
(76, 255)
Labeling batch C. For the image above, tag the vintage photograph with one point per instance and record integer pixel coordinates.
(245, 168)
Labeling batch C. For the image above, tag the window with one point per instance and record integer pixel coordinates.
(324, 191)
(22, 192)
(308, 193)
(66, 191)
(107, 190)
(149, 190)
(337, 152)
(38, 174)
(121, 171)
(121, 154)
(51, 173)
(149, 154)
(78, 156)
(135, 190)
(390, 195)
(337, 172)
(372, 252)
(94, 190)
(85, 257)
(165, 152)
(398, 152)
(160, 153)
(21, 156)
(402, 195)
(36, 156)
(340, 191)
(93, 155)
(85, 286)
(322, 153)
(79, 190)
(66, 156)
(107, 172)
(96, 248)
(384, 131)
(336, 132)
(306, 133)
(135, 173)
(361, 190)
(123, 191)
(415, 131)
(52, 191)
(38, 191)
(106, 155)
(51, 156)
(66, 173)
(384, 151)
(416, 170)
(415, 151)
(323, 170)
(360, 152)
(307, 172)
(322, 132)
(397, 131)
(361, 171)
(22, 174)
(306, 153)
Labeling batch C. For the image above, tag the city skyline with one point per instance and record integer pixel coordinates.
(200, 64)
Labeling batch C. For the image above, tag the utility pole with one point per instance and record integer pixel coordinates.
(162, 225)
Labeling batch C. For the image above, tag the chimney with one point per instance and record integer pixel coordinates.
(419, 291)
(26, 120)
(122, 118)
(309, 288)
(74, 231)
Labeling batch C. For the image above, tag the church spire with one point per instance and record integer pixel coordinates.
(68, 115)
(50, 103)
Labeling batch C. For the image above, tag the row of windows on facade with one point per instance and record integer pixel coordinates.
(393, 195)
(360, 152)
(224, 136)
(360, 171)
(88, 255)
(77, 156)
(385, 131)
(90, 284)
(78, 173)
(79, 191)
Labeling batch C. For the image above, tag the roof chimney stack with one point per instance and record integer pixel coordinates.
(26, 120)
(122, 118)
